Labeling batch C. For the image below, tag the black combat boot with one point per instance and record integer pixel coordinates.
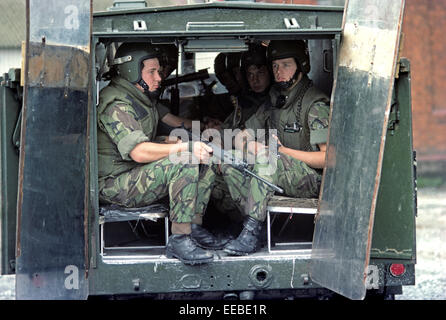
(205, 239)
(248, 240)
(182, 247)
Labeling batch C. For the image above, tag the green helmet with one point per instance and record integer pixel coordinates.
(297, 49)
(129, 59)
(170, 54)
(224, 64)
(256, 55)
(169, 58)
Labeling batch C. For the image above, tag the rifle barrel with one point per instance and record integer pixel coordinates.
(199, 75)
(240, 165)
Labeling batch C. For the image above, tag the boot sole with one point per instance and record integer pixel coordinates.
(171, 255)
(210, 248)
(237, 253)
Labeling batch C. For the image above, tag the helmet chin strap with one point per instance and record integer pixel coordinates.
(144, 86)
(285, 85)
(151, 94)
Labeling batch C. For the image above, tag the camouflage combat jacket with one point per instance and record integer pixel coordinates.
(301, 122)
(126, 117)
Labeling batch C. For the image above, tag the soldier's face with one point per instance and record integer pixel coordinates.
(150, 73)
(284, 69)
(258, 78)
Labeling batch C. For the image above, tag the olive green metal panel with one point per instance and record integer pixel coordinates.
(361, 104)
(127, 274)
(224, 19)
(10, 106)
(394, 227)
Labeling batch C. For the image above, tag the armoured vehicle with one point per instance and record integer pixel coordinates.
(357, 240)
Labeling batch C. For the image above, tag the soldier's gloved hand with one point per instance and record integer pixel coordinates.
(202, 151)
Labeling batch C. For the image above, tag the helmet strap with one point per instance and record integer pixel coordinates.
(285, 85)
(144, 85)
(153, 95)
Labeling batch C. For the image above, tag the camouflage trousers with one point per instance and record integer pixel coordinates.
(295, 177)
(188, 186)
(223, 202)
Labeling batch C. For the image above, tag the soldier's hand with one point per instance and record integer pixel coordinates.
(212, 135)
(279, 144)
(202, 151)
(255, 147)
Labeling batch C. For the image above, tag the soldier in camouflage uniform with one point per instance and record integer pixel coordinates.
(256, 74)
(300, 114)
(136, 171)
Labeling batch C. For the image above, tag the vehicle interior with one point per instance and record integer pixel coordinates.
(191, 91)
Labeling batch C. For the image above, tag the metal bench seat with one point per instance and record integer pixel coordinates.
(277, 205)
(280, 204)
(115, 213)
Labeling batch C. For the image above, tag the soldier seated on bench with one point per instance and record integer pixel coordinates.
(300, 114)
(135, 171)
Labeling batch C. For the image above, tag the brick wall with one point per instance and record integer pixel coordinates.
(425, 45)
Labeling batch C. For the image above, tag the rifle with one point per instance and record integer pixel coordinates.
(175, 92)
(230, 159)
(199, 75)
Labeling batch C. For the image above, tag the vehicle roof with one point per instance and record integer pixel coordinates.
(239, 5)
(221, 19)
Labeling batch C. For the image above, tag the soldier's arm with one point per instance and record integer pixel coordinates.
(121, 124)
(126, 132)
(146, 152)
(314, 159)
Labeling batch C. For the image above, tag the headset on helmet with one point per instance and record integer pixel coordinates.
(297, 49)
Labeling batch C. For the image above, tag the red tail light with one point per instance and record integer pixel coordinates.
(397, 269)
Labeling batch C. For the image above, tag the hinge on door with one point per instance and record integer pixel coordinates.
(394, 118)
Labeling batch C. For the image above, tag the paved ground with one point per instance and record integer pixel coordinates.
(431, 251)
(430, 271)
(7, 287)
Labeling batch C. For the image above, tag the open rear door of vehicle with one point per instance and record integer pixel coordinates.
(360, 108)
(52, 257)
